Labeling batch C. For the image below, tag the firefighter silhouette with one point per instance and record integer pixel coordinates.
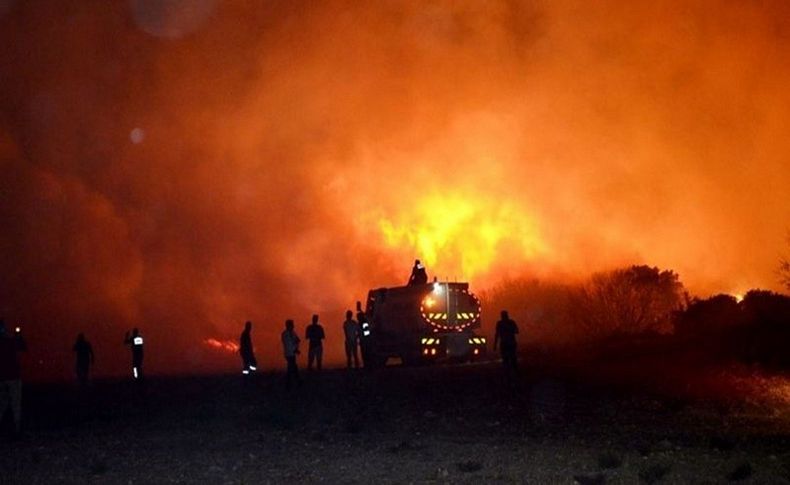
(135, 340)
(84, 358)
(10, 376)
(505, 336)
(351, 331)
(314, 334)
(290, 350)
(248, 362)
(418, 274)
(364, 336)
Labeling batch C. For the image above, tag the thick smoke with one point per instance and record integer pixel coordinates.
(183, 166)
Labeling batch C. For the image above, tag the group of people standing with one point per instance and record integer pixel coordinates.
(354, 332)
(85, 358)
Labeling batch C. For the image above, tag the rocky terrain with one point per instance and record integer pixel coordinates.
(432, 424)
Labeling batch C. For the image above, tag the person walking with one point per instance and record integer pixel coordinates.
(249, 364)
(290, 349)
(85, 358)
(315, 336)
(135, 340)
(11, 376)
(505, 336)
(351, 331)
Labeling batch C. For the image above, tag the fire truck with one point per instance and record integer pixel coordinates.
(423, 323)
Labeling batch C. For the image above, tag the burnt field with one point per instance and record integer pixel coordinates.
(433, 424)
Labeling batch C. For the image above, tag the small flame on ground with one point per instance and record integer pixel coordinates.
(226, 345)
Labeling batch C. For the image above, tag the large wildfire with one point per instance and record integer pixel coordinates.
(184, 166)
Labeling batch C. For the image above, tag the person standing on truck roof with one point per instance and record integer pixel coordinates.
(364, 335)
(11, 376)
(290, 349)
(248, 361)
(136, 342)
(315, 335)
(351, 331)
(506, 330)
(418, 274)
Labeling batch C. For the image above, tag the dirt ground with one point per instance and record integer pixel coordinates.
(433, 424)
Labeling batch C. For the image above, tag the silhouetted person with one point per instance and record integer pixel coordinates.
(290, 350)
(136, 342)
(418, 274)
(506, 330)
(84, 354)
(364, 335)
(314, 335)
(351, 331)
(10, 375)
(248, 362)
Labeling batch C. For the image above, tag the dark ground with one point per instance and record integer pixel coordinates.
(436, 424)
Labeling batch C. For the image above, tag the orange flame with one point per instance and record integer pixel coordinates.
(226, 345)
(461, 234)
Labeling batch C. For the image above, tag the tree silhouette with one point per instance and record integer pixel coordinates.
(767, 334)
(628, 301)
(713, 327)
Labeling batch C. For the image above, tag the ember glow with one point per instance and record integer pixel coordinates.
(226, 345)
(185, 166)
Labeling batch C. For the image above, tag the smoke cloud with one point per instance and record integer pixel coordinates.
(184, 166)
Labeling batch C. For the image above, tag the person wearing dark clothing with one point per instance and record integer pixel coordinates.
(10, 375)
(136, 342)
(290, 350)
(364, 335)
(351, 331)
(84, 353)
(315, 351)
(248, 362)
(418, 274)
(505, 336)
